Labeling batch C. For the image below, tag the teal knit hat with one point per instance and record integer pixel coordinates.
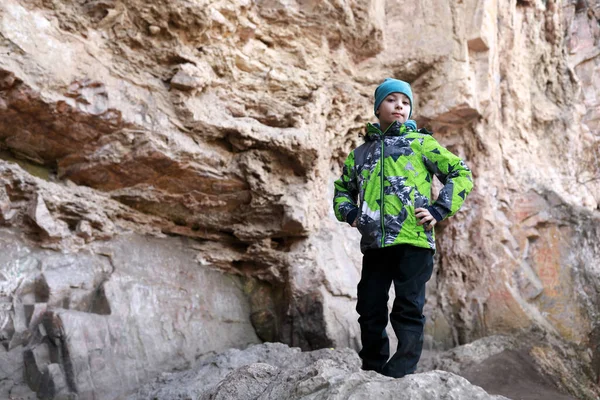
(391, 85)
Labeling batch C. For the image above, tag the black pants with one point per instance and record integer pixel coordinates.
(409, 267)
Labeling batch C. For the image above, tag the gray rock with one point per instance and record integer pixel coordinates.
(210, 371)
(456, 359)
(6, 213)
(245, 383)
(508, 366)
(39, 214)
(11, 375)
(275, 371)
(84, 229)
(99, 323)
(188, 77)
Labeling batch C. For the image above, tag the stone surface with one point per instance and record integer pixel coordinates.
(190, 77)
(99, 323)
(520, 366)
(39, 214)
(100, 138)
(12, 373)
(275, 371)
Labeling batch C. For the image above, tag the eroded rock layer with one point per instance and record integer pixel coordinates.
(197, 142)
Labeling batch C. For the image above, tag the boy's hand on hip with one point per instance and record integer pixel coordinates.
(425, 217)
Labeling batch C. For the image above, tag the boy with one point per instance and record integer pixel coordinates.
(385, 191)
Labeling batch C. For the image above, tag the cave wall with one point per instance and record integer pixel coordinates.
(218, 127)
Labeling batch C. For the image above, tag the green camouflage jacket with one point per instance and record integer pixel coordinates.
(397, 183)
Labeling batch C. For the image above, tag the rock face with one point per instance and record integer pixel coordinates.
(82, 322)
(275, 371)
(155, 151)
(529, 366)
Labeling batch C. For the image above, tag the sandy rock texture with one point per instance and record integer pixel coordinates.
(196, 142)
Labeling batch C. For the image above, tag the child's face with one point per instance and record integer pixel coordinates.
(395, 107)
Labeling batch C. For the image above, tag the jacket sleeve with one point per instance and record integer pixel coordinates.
(346, 192)
(452, 172)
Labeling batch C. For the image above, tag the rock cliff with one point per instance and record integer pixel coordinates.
(167, 168)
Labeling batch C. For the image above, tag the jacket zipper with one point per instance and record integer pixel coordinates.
(381, 211)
